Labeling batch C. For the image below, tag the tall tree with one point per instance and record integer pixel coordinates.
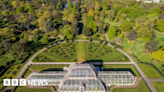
(151, 46)
(87, 31)
(45, 39)
(132, 35)
(42, 20)
(101, 29)
(6, 44)
(160, 26)
(75, 29)
(71, 18)
(49, 26)
(144, 33)
(93, 26)
(159, 55)
(137, 46)
(112, 32)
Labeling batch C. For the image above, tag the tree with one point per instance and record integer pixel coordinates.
(144, 33)
(1, 51)
(151, 46)
(45, 39)
(35, 39)
(93, 26)
(144, 57)
(159, 55)
(25, 25)
(126, 28)
(17, 49)
(132, 35)
(101, 29)
(66, 32)
(137, 46)
(161, 16)
(112, 32)
(65, 22)
(90, 15)
(26, 36)
(87, 31)
(6, 44)
(97, 6)
(75, 29)
(49, 26)
(160, 26)
(42, 21)
(47, 14)
(14, 3)
(71, 18)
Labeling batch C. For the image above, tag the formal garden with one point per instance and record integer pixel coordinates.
(11, 73)
(81, 51)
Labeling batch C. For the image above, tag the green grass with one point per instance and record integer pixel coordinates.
(63, 53)
(142, 87)
(149, 71)
(81, 52)
(24, 89)
(45, 67)
(96, 51)
(160, 40)
(27, 73)
(159, 66)
(159, 86)
(123, 66)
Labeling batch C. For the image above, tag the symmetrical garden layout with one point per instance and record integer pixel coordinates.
(80, 51)
(80, 77)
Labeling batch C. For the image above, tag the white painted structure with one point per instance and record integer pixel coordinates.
(84, 78)
(150, 1)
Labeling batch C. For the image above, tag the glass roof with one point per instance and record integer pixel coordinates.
(92, 80)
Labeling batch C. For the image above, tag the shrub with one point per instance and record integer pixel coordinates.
(154, 61)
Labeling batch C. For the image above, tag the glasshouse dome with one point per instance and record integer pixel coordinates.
(84, 77)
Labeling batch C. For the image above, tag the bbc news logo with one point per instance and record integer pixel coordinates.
(22, 82)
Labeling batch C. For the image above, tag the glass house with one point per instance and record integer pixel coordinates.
(84, 77)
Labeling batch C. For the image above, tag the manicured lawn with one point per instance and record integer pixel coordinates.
(123, 67)
(96, 51)
(142, 87)
(160, 66)
(159, 86)
(27, 73)
(149, 71)
(24, 89)
(45, 67)
(160, 40)
(81, 52)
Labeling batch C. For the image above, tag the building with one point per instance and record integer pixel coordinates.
(84, 77)
(150, 1)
